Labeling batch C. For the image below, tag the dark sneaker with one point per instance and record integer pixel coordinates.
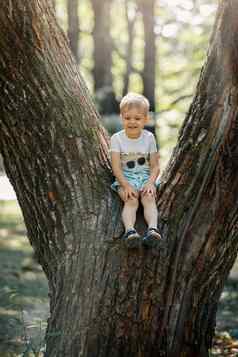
(152, 238)
(132, 239)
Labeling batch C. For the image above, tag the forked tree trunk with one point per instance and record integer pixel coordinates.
(104, 300)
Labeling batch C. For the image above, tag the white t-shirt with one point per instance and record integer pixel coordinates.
(144, 144)
(134, 153)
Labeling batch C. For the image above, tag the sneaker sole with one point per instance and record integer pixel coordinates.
(151, 242)
(133, 242)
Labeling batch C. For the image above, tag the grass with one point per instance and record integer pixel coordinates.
(23, 287)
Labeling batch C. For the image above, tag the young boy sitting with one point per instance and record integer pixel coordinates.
(135, 165)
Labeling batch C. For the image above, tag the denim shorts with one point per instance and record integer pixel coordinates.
(135, 179)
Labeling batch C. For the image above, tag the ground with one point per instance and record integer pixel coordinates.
(24, 292)
(23, 288)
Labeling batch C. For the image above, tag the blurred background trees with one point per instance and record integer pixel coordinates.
(155, 47)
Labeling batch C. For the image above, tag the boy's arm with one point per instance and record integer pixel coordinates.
(116, 168)
(129, 191)
(154, 167)
(154, 173)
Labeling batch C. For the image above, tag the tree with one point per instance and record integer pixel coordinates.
(102, 71)
(73, 27)
(53, 4)
(148, 75)
(131, 13)
(105, 300)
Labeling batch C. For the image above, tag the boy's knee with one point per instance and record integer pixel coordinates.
(133, 202)
(147, 199)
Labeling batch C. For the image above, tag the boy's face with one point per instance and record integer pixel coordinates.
(134, 120)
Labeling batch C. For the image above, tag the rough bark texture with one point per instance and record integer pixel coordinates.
(104, 300)
(73, 27)
(148, 15)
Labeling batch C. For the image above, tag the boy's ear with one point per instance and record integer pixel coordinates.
(147, 119)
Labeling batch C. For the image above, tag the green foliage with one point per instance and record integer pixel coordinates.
(23, 289)
(183, 28)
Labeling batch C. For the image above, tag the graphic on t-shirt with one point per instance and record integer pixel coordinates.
(133, 160)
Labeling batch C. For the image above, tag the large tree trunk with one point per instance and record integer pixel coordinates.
(73, 27)
(147, 9)
(102, 71)
(104, 300)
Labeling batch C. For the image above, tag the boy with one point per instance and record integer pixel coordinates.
(135, 166)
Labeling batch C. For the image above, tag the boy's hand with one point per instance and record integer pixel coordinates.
(149, 188)
(129, 192)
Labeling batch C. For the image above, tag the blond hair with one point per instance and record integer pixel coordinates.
(134, 100)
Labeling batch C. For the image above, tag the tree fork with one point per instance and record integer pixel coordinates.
(105, 300)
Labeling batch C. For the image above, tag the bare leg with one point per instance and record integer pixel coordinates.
(153, 236)
(129, 212)
(150, 210)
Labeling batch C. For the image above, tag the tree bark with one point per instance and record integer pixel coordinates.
(149, 71)
(102, 71)
(104, 300)
(73, 27)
